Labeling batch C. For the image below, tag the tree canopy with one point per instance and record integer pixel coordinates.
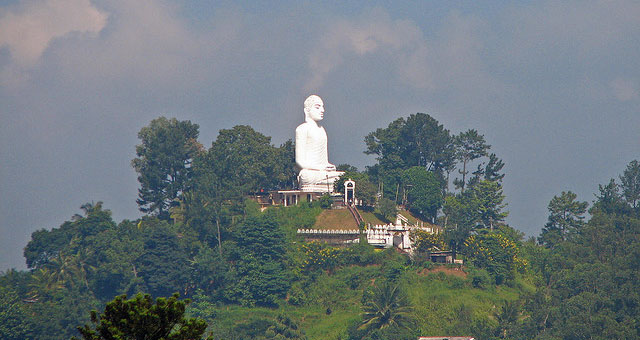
(417, 141)
(163, 162)
(244, 266)
(142, 318)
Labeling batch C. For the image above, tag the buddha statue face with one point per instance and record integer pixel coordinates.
(314, 108)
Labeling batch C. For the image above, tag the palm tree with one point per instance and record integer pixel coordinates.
(387, 306)
(508, 316)
(44, 281)
(80, 268)
(69, 270)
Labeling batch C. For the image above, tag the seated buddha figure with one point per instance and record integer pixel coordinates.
(316, 173)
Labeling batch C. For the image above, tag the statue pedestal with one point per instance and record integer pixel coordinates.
(324, 185)
(317, 188)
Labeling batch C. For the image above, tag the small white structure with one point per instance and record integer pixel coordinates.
(293, 197)
(394, 235)
(349, 191)
(382, 235)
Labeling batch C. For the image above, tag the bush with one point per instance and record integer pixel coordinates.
(361, 254)
(297, 297)
(480, 278)
(421, 260)
(392, 270)
(324, 202)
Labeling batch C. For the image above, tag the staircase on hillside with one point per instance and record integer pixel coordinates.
(400, 217)
(356, 214)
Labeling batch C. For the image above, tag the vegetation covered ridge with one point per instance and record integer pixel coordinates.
(206, 262)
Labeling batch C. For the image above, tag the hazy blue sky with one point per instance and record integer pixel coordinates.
(553, 86)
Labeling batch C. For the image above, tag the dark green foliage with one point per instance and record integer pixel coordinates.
(478, 208)
(13, 316)
(246, 268)
(163, 163)
(386, 306)
(491, 171)
(284, 328)
(630, 183)
(114, 254)
(361, 254)
(480, 278)
(47, 245)
(209, 271)
(387, 208)
(424, 195)
(590, 276)
(566, 217)
(417, 141)
(507, 318)
(460, 219)
(259, 276)
(254, 283)
(469, 145)
(142, 318)
(609, 200)
(285, 173)
(57, 316)
(325, 201)
(91, 252)
(163, 265)
(297, 297)
(240, 161)
(393, 270)
(487, 200)
(253, 329)
(261, 237)
(246, 160)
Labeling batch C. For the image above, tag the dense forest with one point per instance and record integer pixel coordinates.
(243, 273)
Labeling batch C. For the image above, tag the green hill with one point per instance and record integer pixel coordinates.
(443, 304)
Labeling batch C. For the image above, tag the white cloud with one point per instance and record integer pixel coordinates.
(149, 44)
(625, 89)
(372, 32)
(447, 58)
(27, 30)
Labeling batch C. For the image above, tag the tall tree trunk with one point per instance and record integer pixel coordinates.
(219, 241)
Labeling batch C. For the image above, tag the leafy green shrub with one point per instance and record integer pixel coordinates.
(297, 297)
(356, 276)
(480, 278)
(324, 202)
(143, 318)
(392, 270)
(284, 328)
(421, 260)
(361, 254)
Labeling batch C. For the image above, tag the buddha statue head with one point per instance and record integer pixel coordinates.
(313, 108)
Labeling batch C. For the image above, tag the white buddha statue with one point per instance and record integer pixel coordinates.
(316, 173)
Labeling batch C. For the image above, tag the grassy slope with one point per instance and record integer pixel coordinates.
(335, 219)
(342, 219)
(437, 300)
